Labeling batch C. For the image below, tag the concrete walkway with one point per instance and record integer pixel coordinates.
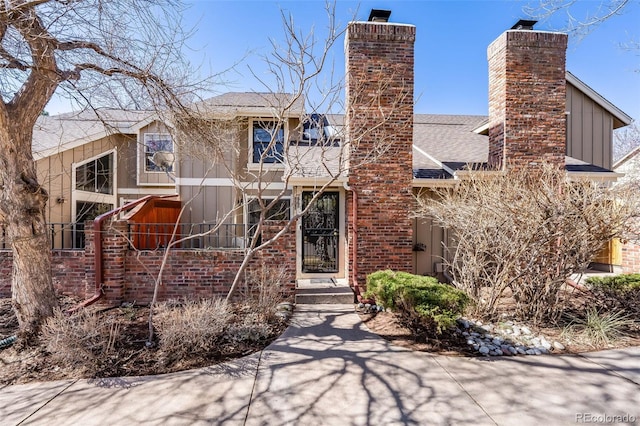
(327, 369)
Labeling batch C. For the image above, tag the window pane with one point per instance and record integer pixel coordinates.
(86, 177)
(96, 176)
(280, 211)
(263, 134)
(104, 175)
(153, 143)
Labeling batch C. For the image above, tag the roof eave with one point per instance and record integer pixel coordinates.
(433, 183)
(316, 181)
(595, 176)
(621, 119)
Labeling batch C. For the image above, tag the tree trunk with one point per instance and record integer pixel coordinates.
(22, 209)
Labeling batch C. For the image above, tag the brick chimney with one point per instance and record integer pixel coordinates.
(527, 98)
(379, 120)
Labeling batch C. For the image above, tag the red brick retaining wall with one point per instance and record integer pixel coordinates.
(130, 276)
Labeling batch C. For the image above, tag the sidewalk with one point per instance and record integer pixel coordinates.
(327, 369)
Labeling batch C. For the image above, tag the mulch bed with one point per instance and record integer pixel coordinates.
(132, 356)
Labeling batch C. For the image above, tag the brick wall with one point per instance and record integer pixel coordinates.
(67, 269)
(527, 99)
(379, 120)
(130, 276)
(630, 257)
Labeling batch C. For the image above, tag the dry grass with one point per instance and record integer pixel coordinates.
(250, 327)
(82, 340)
(191, 328)
(599, 330)
(263, 290)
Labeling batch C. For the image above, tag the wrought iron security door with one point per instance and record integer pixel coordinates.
(320, 233)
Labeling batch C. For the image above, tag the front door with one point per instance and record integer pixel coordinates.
(320, 233)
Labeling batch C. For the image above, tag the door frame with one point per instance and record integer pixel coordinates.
(342, 241)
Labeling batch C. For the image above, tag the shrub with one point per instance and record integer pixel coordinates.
(192, 328)
(622, 283)
(620, 292)
(599, 329)
(422, 301)
(83, 340)
(520, 234)
(251, 327)
(263, 290)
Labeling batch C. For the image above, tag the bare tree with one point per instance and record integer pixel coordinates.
(626, 140)
(577, 24)
(522, 234)
(302, 87)
(98, 53)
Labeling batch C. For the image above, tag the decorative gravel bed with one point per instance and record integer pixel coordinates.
(505, 339)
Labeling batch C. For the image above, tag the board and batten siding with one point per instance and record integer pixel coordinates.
(55, 172)
(206, 184)
(589, 129)
(431, 237)
(151, 178)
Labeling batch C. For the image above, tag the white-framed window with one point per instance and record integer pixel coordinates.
(266, 140)
(281, 210)
(93, 190)
(158, 152)
(96, 175)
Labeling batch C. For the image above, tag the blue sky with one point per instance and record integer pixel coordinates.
(452, 37)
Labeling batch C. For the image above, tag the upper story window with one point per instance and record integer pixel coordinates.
(158, 152)
(96, 175)
(316, 130)
(267, 142)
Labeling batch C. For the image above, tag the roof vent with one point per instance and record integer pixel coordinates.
(524, 24)
(378, 15)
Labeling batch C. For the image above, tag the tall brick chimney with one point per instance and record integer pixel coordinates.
(379, 120)
(527, 98)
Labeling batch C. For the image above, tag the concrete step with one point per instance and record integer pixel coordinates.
(323, 291)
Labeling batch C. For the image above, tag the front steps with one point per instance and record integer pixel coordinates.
(326, 290)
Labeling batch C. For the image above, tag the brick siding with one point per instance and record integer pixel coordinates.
(379, 115)
(130, 275)
(630, 257)
(527, 99)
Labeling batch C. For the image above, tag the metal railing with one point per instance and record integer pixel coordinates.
(151, 236)
(64, 236)
(4, 243)
(148, 236)
(67, 236)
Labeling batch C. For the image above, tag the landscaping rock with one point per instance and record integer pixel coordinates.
(506, 339)
(545, 344)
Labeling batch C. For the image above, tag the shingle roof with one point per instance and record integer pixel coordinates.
(451, 137)
(63, 131)
(247, 103)
(442, 143)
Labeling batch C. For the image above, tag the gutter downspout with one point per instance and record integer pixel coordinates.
(97, 248)
(354, 240)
